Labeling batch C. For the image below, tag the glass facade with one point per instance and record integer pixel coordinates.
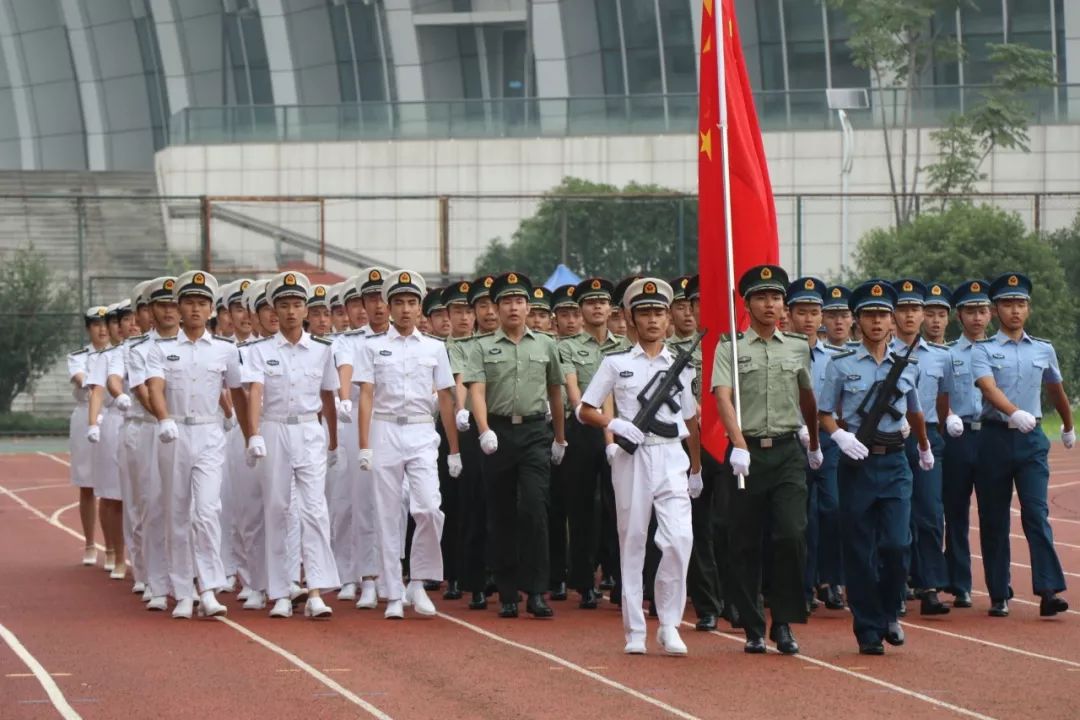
(153, 73)
(364, 65)
(246, 80)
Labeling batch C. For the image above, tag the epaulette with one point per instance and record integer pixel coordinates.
(726, 337)
(483, 335)
(249, 343)
(797, 336)
(80, 351)
(843, 354)
(827, 346)
(1042, 340)
(952, 342)
(322, 340)
(984, 340)
(352, 333)
(224, 339)
(136, 341)
(433, 337)
(169, 339)
(852, 343)
(619, 352)
(545, 332)
(375, 335)
(939, 346)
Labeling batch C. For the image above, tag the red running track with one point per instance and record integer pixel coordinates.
(107, 657)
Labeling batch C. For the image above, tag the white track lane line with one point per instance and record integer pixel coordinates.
(47, 683)
(571, 666)
(344, 692)
(998, 646)
(1015, 536)
(54, 519)
(1053, 520)
(1028, 567)
(63, 462)
(870, 679)
(1021, 601)
(41, 487)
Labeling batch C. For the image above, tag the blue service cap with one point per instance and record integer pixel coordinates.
(806, 290)
(837, 298)
(938, 294)
(1010, 285)
(873, 294)
(971, 292)
(909, 292)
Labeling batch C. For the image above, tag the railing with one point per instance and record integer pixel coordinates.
(576, 116)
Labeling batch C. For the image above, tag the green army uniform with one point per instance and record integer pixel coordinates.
(516, 377)
(771, 374)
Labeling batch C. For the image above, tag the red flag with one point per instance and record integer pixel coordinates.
(753, 212)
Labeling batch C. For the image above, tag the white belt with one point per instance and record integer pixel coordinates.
(973, 424)
(403, 419)
(292, 419)
(195, 419)
(139, 419)
(657, 440)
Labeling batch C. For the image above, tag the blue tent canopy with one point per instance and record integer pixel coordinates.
(562, 276)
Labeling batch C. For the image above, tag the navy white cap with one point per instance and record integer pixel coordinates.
(403, 282)
(196, 282)
(286, 285)
(371, 280)
(648, 292)
(161, 289)
(319, 296)
(255, 295)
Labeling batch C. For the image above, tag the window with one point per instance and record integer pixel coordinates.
(154, 76)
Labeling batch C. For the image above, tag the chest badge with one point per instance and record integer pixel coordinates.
(998, 356)
(957, 363)
(626, 374)
(854, 377)
(173, 358)
(386, 353)
(583, 353)
(495, 351)
(272, 362)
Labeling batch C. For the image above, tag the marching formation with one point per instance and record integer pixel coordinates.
(500, 442)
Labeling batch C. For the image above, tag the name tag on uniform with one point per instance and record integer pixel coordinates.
(626, 373)
(998, 356)
(272, 362)
(495, 351)
(854, 377)
(957, 363)
(386, 353)
(172, 358)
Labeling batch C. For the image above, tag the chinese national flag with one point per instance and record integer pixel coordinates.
(753, 213)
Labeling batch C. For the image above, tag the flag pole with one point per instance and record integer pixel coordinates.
(729, 240)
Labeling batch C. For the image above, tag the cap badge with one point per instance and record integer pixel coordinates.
(374, 276)
(199, 279)
(463, 287)
(169, 285)
(595, 285)
(570, 291)
(488, 280)
(876, 291)
(836, 292)
(290, 279)
(512, 279)
(649, 288)
(405, 278)
(102, 312)
(976, 287)
(538, 293)
(1013, 281)
(808, 285)
(244, 285)
(683, 282)
(907, 286)
(936, 290)
(320, 291)
(766, 274)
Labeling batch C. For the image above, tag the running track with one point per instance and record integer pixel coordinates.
(79, 645)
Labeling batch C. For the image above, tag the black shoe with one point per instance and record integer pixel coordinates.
(558, 593)
(895, 634)
(607, 583)
(478, 602)
(833, 599)
(909, 593)
(432, 585)
(755, 644)
(453, 591)
(536, 606)
(930, 604)
(490, 586)
(652, 609)
(616, 596)
(508, 610)
(902, 610)
(706, 622)
(785, 641)
(1051, 605)
(590, 599)
(871, 648)
(962, 599)
(999, 608)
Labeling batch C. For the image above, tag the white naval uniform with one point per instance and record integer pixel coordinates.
(107, 452)
(655, 478)
(292, 377)
(339, 500)
(192, 465)
(142, 434)
(82, 458)
(249, 541)
(404, 369)
(140, 454)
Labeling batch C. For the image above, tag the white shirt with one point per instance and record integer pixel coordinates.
(76, 363)
(346, 348)
(627, 373)
(292, 375)
(137, 357)
(101, 365)
(193, 372)
(404, 369)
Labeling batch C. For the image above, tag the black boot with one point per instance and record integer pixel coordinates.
(589, 599)
(930, 604)
(536, 606)
(558, 593)
(453, 590)
(478, 602)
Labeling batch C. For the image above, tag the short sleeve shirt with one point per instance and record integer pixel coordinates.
(404, 370)
(516, 375)
(1019, 369)
(194, 372)
(292, 375)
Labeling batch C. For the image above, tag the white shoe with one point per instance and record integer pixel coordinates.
(244, 594)
(148, 594)
(255, 601)
(297, 594)
(119, 573)
(282, 608)
(110, 561)
(347, 592)
(230, 584)
(158, 604)
(138, 588)
(416, 596)
(369, 600)
(210, 607)
(316, 609)
(395, 610)
(183, 609)
(635, 646)
(669, 639)
(89, 556)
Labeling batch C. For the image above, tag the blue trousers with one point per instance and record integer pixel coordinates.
(1008, 457)
(928, 568)
(958, 483)
(824, 549)
(875, 521)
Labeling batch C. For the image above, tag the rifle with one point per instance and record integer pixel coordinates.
(884, 394)
(663, 389)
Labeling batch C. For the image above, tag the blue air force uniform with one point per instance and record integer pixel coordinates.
(1008, 456)
(875, 494)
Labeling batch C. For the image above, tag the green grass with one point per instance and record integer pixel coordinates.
(1051, 424)
(27, 424)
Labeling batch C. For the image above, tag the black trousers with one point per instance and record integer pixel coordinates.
(470, 543)
(583, 468)
(703, 581)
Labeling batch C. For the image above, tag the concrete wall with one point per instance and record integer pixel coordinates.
(403, 232)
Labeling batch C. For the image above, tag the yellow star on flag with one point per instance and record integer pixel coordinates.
(708, 7)
(706, 143)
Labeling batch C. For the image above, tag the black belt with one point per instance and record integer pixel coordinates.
(766, 443)
(518, 419)
(885, 449)
(1005, 425)
(974, 425)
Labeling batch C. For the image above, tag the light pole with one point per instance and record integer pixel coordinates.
(842, 100)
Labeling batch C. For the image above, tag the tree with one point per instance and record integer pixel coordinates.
(635, 230)
(35, 321)
(1065, 244)
(967, 241)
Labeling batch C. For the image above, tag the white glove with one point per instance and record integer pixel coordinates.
(453, 465)
(1023, 421)
(229, 423)
(489, 442)
(905, 428)
(926, 459)
(610, 451)
(850, 445)
(122, 402)
(547, 412)
(256, 450)
(954, 425)
(331, 458)
(167, 430)
(695, 485)
(93, 434)
(365, 458)
(815, 458)
(558, 452)
(344, 410)
(1068, 438)
(740, 461)
(461, 419)
(626, 429)
(804, 436)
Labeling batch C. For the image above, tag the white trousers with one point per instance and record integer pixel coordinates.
(362, 558)
(339, 504)
(405, 458)
(249, 544)
(82, 452)
(191, 470)
(230, 552)
(138, 458)
(154, 511)
(107, 461)
(653, 479)
(296, 460)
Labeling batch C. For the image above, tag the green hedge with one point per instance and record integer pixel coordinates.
(22, 423)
